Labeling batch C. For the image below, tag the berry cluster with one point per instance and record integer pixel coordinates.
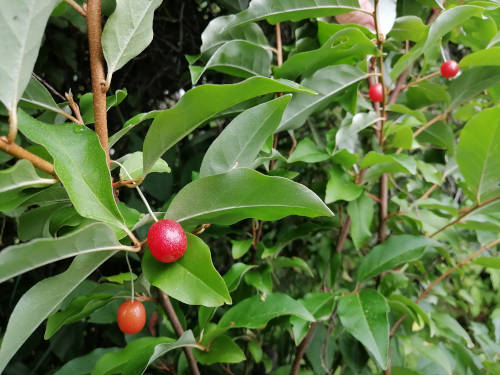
(449, 69)
(167, 242)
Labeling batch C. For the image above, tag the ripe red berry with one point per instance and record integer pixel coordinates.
(376, 93)
(131, 316)
(167, 241)
(449, 69)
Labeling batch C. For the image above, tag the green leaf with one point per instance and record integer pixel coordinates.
(22, 27)
(320, 305)
(444, 23)
(398, 249)
(240, 248)
(233, 276)
(429, 351)
(192, 279)
(240, 142)
(439, 134)
(478, 154)
(394, 162)
(139, 354)
(78, 309)
(133, 165)
(308, 152)
(347, 135)
(217, 33)
(38, 96)
(489, 56)
(87, 104)
(472, 82)
(386, 15)
(80, 164)
(364, 315)
(344, 47)
(238, 58)
(119, 278)
(46, 295)
(361, 213)
(222, 350)
(131, 124)
(408, 28)
(200, 104)
(247, 193)
(260, 279)
(14, 180)
(328, 82)
(127, 32)
(292, 262)
(489, 262)
(326, 30)
(17, 259)
(278, 11)
(451, 329)
(256, 312)
(83, 365)
(341, 187)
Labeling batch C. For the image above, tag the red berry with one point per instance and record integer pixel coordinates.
(167, 241)
(376, 93)
(131, 316)
(449, 69)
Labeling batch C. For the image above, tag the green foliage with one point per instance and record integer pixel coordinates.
(267, 135)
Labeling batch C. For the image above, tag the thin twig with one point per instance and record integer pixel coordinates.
(131, 183)
(74, 107)
(94, 28)
(174, 319)
(466, 213)
(49, 87)
(444, 275)
(76, 7)
(301, 350)
(21, 153)
(424, 78)
(384, 185)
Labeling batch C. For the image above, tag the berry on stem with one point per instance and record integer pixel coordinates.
(449, 69)
(376, 93)
(131, 316)
(167, 241)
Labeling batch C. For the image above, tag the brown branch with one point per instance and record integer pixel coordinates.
(424, 78)
(400, 83)
(466, 213)
(444, 275)
(279, 45)
(172, 316)
(77, 7)
(128, 183)
(74, 107)
(384, 186)
(301, 350)
(94, 26)
(21, 153)
(344, 231)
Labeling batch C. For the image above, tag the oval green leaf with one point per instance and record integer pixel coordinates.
(247, 194)
(398, 249)
(240, 142)
(46, 296)
(80, 164)
(364, 315)
(200, 104)
(192, 279)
